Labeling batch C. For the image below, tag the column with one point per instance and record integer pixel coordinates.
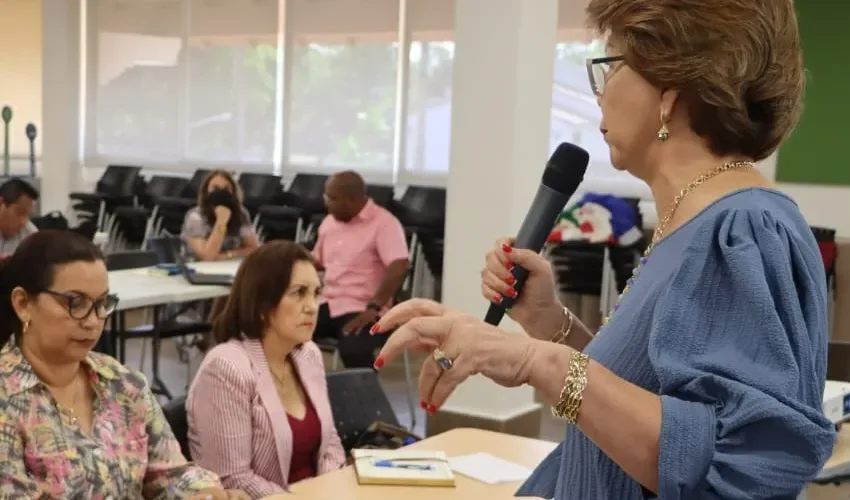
(61, 96)
(501, 107)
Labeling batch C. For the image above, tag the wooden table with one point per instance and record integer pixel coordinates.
(523, 451)
(841, 452)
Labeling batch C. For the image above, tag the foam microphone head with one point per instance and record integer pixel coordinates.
(565, 169)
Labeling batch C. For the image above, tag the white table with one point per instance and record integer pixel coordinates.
(149, 287)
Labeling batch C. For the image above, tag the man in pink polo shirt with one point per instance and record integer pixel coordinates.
(363, 250)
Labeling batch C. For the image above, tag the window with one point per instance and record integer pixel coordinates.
(343, 88)
(232, 86)
(138, 81)
(291, 85)
(429, 96)
(576, 116)
(186, 83)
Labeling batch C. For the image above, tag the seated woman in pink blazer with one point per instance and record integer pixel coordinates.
(259, 414)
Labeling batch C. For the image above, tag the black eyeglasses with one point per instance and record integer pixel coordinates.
(80, 306)
(599, 70)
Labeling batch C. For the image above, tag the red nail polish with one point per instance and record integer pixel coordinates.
(511, 293)
(432, 409)
(379, 363)
(376, 328)
(509, 265)
(506, 248)
(497, 299)
(424, 405)
(511, 280)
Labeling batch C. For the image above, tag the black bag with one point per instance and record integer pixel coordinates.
(384, 436)
(54, 220)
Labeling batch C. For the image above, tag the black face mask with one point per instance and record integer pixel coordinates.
(220, 197)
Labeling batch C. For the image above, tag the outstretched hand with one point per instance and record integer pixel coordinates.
(474, 347)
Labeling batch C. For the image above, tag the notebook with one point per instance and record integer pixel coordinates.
(402, 467)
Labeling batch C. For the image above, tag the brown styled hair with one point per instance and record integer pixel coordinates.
(737, 63)
(33, 268)
(237, 219)
(263, 277)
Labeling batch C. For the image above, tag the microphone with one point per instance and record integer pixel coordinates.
(561, 178)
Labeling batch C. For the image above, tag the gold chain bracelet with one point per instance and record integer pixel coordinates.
(566, 328)
(575, 382)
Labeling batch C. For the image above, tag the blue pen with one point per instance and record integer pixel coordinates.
(391, 464)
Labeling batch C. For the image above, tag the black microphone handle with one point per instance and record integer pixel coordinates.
(545, 209)
(496, 312)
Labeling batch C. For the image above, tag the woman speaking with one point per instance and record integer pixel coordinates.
(706, 381)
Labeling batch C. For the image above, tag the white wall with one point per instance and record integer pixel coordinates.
(20, 68)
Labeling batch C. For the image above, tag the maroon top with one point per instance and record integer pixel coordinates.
(306, 439)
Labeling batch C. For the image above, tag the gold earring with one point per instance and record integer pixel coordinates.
(25, 327)
(663, 133)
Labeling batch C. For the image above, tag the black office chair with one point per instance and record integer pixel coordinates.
(422, 212)
(117, 261)
(195, 182)
(382, 195)
(357, 400)
(290, 216)
(178, 419)
(119, 185)
(259, 190)
(137, 223)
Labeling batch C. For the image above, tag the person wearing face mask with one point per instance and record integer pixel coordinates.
(76, 423)
(219, 227)
(259, 413)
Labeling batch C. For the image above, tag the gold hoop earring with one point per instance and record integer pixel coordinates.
(663, 133)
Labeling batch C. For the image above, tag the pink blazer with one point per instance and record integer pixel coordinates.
(237, 425)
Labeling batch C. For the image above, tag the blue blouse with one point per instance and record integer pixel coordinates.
(728, 323)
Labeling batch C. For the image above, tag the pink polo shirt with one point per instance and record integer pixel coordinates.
(355, 255)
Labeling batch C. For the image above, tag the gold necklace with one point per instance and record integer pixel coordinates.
(69, 410)
(658, 234)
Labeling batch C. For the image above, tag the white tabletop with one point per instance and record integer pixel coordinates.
(145, 287)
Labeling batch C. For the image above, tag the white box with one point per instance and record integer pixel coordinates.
(836, 401)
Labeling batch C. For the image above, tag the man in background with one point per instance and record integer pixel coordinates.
(17, 198)
(362, 249)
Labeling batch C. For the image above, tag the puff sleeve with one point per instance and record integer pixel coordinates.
(738, 343)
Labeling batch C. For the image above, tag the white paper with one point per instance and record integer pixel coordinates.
(488, 469)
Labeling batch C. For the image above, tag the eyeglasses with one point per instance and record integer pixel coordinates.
(81, 306)
(599, 70)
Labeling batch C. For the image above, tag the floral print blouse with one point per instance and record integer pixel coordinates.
(130, 453)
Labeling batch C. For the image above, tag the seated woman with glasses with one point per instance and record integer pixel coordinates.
(75, 423)
(219, 227)
(259, 412)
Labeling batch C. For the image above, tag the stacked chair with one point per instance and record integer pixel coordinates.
(422, 212)
(120, 185)
(171, 210)
(259, 190)
(300, 208)
(136, 223)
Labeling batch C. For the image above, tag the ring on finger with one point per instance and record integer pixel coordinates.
(443, 361)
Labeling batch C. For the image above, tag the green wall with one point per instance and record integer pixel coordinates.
(818, 152)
